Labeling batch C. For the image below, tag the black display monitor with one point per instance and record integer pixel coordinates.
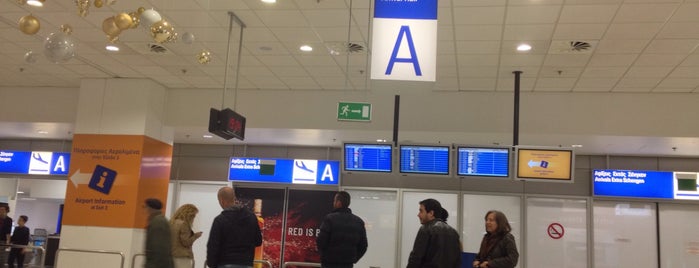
(483, 161)
(368, 157)
(424, 159)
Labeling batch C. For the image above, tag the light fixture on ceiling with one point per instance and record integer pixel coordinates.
(269, 1)
(36, 3)
(524, 47)
(306, 48)
(42, 132)
(576, 146)
(20, 192)
(380, 140)
(112, 47)
(207, 136)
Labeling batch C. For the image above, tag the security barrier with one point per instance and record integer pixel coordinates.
(97, 251)
(302, 264)
(43, 251)
(133, 260)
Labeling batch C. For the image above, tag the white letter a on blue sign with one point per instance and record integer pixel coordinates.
(404, 30)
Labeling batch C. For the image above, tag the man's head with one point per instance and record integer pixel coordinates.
(22, 220)
(341, 200)
(226, 197)
(4, 209)
(153, 205)
(429, 210)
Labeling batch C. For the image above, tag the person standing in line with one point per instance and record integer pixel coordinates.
(437, 245)
(342, 240)
(498, 248)
(234, 235)
(183, 236)
(19, 237)
(5, 231)
(158, 240)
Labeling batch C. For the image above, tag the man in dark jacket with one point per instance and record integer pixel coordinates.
(158, 238)
(5, 231)
(437, 245)
(234, 234)
(342, 240)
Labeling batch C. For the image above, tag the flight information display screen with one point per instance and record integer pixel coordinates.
(421, 159)
(480, 161)
(368, 157)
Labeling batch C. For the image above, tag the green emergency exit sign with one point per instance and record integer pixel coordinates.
(354, 111)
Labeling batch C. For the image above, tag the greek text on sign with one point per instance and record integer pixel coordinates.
(292, 171)
(404, 45)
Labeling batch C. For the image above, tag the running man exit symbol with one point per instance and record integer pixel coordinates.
(353, 111)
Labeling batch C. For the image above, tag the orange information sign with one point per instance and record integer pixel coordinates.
(110, 177)
(544, 164)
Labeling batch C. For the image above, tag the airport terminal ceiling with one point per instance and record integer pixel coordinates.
(600, 48)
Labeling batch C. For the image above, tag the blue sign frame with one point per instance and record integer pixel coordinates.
(285, 171)
(34, 163)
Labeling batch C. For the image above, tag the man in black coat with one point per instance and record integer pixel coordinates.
(342, 240)
(234, 234)
(437, 245)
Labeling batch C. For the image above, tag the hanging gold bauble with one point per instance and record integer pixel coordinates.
(204, 57)
(83, 7)
(66, 29)
(140, 10)
(135, 19)
(161, 31)
(29, 24)
(123, 21)
(109, 27)
(99, 3)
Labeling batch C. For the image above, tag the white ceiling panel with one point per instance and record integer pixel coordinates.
(611, 46)
(328, 17)
(316, 60)
(477, 60)
(477, 32)
(300, 83)
(647, 72)
(491, 72)
(278, 60)
(686, 13)
(679, 31)
(632, 31)
(645, 13)
(676, 83)
(528, 32)
(612, 60)
(567, 60)
(476, 47)
(282, 18)
(604, 83)
(603, 72)
(669, 60)
(579, 31)
(267, 82)
(479, 15)
(587, 14)
(521, 60)
(532, 14)
(685, 72)
(643, 84)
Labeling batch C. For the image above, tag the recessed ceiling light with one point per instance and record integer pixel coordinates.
(20, 192)
(576, 146)
(524, 47)
(380, 140)
(42, 132)
(306, 48)
(269, 1)
(112, 47)
(36, 3)
(207, 136)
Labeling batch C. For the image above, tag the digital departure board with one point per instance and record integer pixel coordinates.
(367, 157)
(424, 159)
(482, 161)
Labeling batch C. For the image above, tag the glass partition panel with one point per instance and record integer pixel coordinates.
(474, 209)
(622, 230)
(679, 235)
(556, 233)
(378, 210)
(410, 222)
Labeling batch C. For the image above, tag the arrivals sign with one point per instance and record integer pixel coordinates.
(34, 163)
(404, 45)
(645, 184)
(289, 171)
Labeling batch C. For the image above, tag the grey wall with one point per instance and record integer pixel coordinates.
(209, 162)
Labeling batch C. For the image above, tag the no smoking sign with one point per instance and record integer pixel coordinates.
(556, 230)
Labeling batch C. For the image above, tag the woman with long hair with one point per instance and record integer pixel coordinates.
(498, 248)
(182, 235)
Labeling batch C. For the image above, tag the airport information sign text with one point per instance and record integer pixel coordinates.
(289, 171)
(34, 163)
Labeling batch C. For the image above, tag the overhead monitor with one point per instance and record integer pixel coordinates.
(645, 184)
(424, 159)
(483, 161)
(368, 157)
(553, 164)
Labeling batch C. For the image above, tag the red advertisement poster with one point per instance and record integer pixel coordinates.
(306, 210)
(268, 205)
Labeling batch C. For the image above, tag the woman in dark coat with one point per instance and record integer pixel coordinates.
(498, 248)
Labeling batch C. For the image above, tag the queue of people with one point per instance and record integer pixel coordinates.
(342, 240)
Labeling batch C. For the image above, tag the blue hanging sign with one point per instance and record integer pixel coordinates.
(289, 171)
(404, 45)
(34, 163)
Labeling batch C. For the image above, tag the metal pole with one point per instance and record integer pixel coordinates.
(396, 115)
(58, 251)
(43, 252)
(303, 264)
(232, 17)
(515, 128)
